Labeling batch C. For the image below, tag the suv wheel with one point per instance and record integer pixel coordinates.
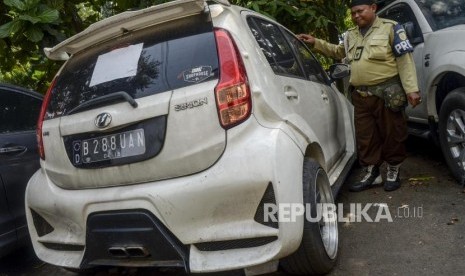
(452, 131)
(317, 252)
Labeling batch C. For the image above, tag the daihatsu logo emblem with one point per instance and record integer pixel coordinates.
(103, 120)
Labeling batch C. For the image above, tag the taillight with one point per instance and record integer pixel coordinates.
(43, 110)
(232, 92)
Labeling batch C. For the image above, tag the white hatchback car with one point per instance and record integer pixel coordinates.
(170, 131)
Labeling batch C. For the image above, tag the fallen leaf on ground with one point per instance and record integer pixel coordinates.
(422, 178)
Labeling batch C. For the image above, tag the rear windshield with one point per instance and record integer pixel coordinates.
(154, 60)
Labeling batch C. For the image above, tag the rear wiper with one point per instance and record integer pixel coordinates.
(103, 100)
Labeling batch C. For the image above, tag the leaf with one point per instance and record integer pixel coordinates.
(34, 34)
(10, 28)
(49, 16)
(5, 29)
(30, 4)
(29, 18)
(57, 34)
(425, 178)
(15, 4)
(255, 7)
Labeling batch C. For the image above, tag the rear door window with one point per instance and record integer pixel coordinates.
(18, 111)
(312, 68)
(154, 60)
(275, 47)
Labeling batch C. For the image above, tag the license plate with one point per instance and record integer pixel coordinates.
(108, 147)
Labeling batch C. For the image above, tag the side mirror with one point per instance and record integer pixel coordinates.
(339, 71)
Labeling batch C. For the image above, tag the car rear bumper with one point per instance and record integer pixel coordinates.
(213, 215)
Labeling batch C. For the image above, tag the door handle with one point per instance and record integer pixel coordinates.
(291, 94)
(324, 96)
(13, 149)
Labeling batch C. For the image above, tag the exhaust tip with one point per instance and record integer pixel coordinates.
(129, 252)
(138, 252)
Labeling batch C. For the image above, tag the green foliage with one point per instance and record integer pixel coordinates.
(323, 19)
(27, 26)
(29, 18)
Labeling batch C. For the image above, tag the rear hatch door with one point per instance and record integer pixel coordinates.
(140, 107)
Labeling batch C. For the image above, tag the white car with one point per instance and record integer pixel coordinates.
(170, 131)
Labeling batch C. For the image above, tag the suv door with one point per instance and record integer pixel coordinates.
(315, 74)
(403, 14)
(19, 159)
(303, 82)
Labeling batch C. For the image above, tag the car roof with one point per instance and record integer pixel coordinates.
(383, 3)
(119, 24)
(15, 88)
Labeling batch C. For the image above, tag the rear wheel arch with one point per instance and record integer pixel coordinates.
(315, 152)
(447, 82)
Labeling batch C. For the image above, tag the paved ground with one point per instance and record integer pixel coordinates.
(426, 236)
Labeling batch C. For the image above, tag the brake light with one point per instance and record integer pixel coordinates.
(232, 93)
(43, 110)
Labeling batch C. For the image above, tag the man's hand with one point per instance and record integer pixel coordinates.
(414, 98)
(306, 38)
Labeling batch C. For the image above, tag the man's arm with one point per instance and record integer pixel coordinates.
(405, 65)
(323, 47)
(408, 77)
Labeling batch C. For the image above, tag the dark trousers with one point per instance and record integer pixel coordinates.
(380, 133)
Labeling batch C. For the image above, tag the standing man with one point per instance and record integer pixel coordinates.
(382, 69)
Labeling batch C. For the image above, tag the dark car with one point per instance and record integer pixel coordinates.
(19, 159)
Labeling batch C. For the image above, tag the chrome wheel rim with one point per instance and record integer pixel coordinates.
(455, 135)
(328, 228)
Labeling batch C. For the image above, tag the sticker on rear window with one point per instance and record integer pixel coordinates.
(197, 74)
(117, 64)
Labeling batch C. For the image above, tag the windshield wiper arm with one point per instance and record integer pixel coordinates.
(105, 99)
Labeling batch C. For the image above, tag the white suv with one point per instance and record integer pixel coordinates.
(170, 131)
(436, 29)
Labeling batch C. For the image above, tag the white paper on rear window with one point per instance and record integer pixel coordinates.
(117, 64)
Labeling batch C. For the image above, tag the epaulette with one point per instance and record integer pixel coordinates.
(388, 21)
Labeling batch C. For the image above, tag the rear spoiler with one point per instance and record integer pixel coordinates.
(126, 22)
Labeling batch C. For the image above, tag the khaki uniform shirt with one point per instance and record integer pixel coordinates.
(371, 58)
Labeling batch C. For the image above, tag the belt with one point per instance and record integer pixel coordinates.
(366, 91)
(363, 91)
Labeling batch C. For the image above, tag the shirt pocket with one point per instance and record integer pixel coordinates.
(378, 48)
(350, 52)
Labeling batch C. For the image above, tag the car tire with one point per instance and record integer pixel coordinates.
(317, 252)
(452, 131)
